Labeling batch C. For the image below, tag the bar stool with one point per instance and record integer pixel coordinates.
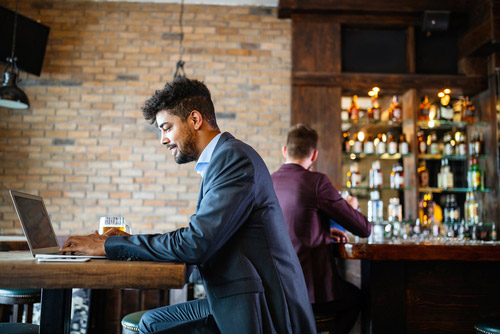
(324, 322)
(20, 297)
(130, 322)
(18, 328)
(487, 326)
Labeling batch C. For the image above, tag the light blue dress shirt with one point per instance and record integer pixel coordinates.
(206, 156)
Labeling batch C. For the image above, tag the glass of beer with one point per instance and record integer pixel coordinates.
(107, 223)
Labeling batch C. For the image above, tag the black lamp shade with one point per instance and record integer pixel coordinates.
(11, 96)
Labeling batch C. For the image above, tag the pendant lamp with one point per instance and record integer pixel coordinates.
(11, 96)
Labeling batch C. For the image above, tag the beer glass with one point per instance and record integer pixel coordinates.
(106, 223)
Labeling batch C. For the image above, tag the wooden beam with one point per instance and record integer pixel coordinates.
(355, 82)
(287, 7)
(362, 19)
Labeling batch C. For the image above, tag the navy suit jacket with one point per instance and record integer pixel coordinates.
(239, 242)
(309, 201)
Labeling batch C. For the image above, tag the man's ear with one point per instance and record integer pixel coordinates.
(283, 151)
(197, 119)
(314, 156)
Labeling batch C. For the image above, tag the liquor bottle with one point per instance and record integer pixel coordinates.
(424, 109)
(381, 145)
(353, 176)
(455, 209)
(358, 142)
(397, 176)
(461, 143)
(427, 213)
(468, 111)
(423, 175)
(354, 109)
(432, 143)
(346, 147)
(375, 208)
(395, 111)
(449, 144)
(422, 145)
(404, 147)
(375, 112)
(474, 174)
(446, 109)
(471, 213)
(392, 145)
(376, 176)
(445, 176)
(447, 214)
(476, 145)
(369, 148)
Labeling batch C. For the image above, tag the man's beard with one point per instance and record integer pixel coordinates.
(188, 152)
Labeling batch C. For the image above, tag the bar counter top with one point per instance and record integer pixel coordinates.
(419, 251)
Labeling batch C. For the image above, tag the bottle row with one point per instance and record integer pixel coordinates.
(446, 176)
(381, 144)
(376, 177)
(450, 144)
(454, 233)
(374, 113)
(447, 109)
(443, 107)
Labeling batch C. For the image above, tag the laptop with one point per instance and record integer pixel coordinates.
(38, 229)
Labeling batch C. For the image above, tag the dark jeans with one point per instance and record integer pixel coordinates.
(346, 307)
(192, 317)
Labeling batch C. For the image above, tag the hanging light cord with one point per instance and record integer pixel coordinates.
(179, 68)
(11, 61)
(14, 32)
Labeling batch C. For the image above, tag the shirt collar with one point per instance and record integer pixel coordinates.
(206, 156)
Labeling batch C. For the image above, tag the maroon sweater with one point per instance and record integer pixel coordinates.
(309, 200)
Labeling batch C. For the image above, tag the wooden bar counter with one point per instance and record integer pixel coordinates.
(426, 287)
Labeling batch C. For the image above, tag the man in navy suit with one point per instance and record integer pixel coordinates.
(309, 201)
(237, 238)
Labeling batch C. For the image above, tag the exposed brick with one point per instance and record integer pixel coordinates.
(84, 143)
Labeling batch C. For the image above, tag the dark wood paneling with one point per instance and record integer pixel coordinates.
(316, 46)
(431, 297)
(397, 83)
(108, 307)
(449, 297)
(319, 107)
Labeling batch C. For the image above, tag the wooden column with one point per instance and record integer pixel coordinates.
(316, 48)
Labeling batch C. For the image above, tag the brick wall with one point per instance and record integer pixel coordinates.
(84, 146)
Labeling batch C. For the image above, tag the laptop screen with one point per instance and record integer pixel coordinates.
(35, 221)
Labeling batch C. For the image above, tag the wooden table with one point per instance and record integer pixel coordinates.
(13, 242)
(424, 287)
(20, 270)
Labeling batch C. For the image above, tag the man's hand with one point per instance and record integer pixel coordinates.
(92, 244)
(338, 235)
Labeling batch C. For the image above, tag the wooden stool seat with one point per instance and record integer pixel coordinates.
(20, 297)
(487, 326)
(324, 322)
(18, 328)
(130, 322)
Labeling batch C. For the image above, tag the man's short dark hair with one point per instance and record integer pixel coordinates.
(180, 97)
(301, 141)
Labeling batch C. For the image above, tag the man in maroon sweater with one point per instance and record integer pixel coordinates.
(309, 201)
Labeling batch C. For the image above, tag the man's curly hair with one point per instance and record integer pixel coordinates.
(180, 97)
